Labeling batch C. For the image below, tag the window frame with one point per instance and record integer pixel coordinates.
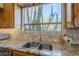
(62, 13)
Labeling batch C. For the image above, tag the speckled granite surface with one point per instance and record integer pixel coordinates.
(59, 49)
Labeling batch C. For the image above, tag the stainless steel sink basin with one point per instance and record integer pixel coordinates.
(31, 45)
(45, 46)
(39, 46)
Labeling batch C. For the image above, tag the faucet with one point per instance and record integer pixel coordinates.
(39, 37)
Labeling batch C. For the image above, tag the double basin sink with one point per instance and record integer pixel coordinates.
(38, 45)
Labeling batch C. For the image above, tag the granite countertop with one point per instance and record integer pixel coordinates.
(59, 49)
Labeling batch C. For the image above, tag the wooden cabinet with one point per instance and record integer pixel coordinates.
(1, 5)
(8, 15)
(1, 19)
(18, 53)
(69, 17)
(72, 16)
(76, 14)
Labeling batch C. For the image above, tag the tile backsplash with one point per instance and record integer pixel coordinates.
(46, 36)
(33, 36)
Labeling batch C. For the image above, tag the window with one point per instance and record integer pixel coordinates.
(45, 17)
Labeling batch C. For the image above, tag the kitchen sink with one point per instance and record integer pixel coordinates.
(39, 46)
(45, 46)
(31, 45)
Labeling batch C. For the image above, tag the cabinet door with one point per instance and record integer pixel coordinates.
(72, 15)
(1, 19)
(68, 15)
(78, 14)
(1, 5)
(8, 15)
(75, 14)
(18, 53)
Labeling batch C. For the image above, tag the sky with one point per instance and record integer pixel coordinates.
(56, 9)
(47, 12)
